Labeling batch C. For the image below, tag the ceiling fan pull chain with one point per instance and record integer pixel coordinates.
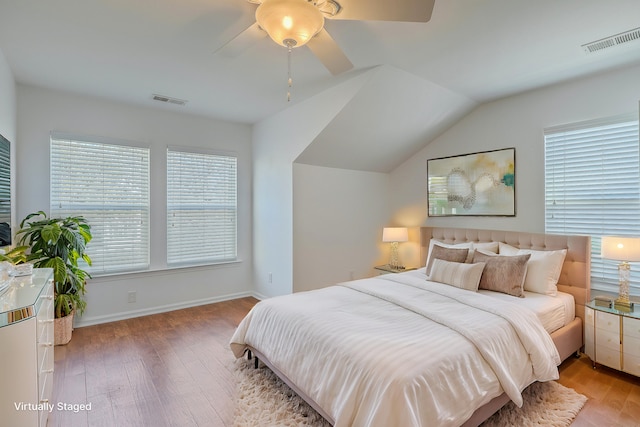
(290, 80)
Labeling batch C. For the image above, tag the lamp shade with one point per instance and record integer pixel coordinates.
(621, 248)
(395, 234)
(290, 23)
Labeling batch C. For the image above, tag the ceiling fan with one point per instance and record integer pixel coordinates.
(295, 23)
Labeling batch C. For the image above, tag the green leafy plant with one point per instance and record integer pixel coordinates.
(59, 243)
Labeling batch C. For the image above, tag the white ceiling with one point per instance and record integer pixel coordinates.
(472, 50)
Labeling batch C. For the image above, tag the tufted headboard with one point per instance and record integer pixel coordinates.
(575, 278)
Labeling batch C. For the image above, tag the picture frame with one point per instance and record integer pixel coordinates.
(474, 184)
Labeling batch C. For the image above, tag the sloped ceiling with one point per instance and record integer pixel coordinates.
(389, 119)
(423, 76)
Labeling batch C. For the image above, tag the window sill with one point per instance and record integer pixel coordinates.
(179, 269)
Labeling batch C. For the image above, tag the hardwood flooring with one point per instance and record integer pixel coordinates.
(174, 369)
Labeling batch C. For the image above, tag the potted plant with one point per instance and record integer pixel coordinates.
(59, 243)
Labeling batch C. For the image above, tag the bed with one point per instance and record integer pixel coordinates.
(403, 350)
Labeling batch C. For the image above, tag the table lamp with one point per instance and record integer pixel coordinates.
(624, 249)
(394, 235)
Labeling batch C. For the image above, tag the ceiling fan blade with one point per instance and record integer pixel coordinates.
(329, 53)
(242, 41)
(397, 10)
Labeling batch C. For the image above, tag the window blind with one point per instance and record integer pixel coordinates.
(201, 207)
(5, 181)
(108, 184)
(592, 187)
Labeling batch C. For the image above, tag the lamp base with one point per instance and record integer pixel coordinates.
(623, 305)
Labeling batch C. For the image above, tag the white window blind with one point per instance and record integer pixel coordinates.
(201, 207)
(5, 186)
(108, 184)
(592, 187)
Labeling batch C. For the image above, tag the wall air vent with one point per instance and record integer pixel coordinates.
(611, 41)
(168, 99)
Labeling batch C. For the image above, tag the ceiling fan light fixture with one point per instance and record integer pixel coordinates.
(290, 23)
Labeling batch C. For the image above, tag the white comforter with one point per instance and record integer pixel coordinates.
(399, 350)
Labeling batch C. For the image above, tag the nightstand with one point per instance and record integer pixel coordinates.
(612, 338)
(387, 269)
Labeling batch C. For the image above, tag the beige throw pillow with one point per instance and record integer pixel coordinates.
(460, 275)
(433, 242)
(543, 269)
(447, 254)
(503, 273)
(485, 246)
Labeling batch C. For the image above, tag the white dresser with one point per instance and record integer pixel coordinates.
(26, 350)
(612, 338)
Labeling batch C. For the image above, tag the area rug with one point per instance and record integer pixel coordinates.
(262, 399)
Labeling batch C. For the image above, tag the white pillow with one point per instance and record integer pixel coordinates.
(543, 268)
(460, 275)
(505, 249)
(487, 246)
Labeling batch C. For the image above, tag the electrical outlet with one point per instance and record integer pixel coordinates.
(270, 277)
(132, 296)
(352, 275)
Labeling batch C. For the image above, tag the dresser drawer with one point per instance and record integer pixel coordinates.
(607, 321)
(631, 344)
(45, 330)
(45, 392)
(608, 339)
(631, 327)
(631, 363)
(45, 313)
(608, 357)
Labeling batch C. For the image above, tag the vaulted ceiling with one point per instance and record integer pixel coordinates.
(423, 77)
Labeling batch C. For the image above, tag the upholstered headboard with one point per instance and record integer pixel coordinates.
(575, 278)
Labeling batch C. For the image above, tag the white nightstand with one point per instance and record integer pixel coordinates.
(612, 338)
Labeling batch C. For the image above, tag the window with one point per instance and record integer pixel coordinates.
(592, 187)
(108, 184)
(5, 191)
(201, 207)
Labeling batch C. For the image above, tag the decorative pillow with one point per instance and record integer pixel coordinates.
(433, 242)
(447, 254)
(543, 270)
(486, 246)
(460, 275)
(503, 273)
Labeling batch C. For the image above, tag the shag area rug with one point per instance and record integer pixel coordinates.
(262, 399)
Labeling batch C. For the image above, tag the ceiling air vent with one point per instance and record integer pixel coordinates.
(168, 99)
(611, 41)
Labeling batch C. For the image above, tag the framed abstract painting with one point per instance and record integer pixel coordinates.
(476, 184)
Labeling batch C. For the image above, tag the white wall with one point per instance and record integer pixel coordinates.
(41, 111)
(8, 122)
(277, 142)
(338, 216)
(516, 121)
(7, 100)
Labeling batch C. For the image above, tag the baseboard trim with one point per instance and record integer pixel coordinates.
(258, 296)
(96, 320)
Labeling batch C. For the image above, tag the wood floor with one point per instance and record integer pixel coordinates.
(174, 369)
